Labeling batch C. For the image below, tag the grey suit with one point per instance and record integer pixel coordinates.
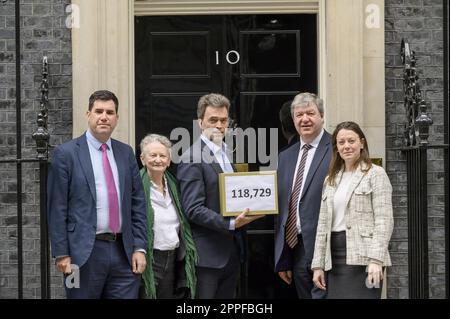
(299, 259)
(217, 246)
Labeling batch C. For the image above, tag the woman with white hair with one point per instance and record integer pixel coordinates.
(171, 253)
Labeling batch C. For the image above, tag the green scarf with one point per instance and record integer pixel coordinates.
(190, 259)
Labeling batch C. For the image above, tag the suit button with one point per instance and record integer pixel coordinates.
(349, 227)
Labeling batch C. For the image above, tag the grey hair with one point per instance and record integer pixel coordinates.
(304, 100)
(150, 138)
(214, 100)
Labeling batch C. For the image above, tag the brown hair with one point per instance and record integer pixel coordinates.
(337, 162)
(103, 95)
(214, 100)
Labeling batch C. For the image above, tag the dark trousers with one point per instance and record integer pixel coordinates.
(303, 274)
(106, 274)
(164, 272)
(219, 283)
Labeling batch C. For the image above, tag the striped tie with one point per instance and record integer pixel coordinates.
(291, 224)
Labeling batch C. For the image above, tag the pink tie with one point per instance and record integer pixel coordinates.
(113, 202)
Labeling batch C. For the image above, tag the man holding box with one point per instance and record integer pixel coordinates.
(219, 240)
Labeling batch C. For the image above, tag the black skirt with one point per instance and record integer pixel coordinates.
(347, 281)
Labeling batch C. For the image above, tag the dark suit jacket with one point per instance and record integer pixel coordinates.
(198, 175)
(309, 206)
(72, 212)
(293, 140)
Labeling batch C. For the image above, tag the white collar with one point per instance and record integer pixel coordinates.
(315, 142)
(96, 143)
(213, 146)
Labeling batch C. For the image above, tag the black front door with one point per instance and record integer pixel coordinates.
(257, 61)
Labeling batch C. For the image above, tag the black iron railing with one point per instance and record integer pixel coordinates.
(41, 136)
(446, 106)
(416, 146)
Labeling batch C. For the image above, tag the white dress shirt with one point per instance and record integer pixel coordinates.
(220, 154)
(314, 144)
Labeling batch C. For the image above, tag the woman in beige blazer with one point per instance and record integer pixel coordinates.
(355, 222)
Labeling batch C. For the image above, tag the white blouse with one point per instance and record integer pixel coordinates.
(166, 225)
(338, 223)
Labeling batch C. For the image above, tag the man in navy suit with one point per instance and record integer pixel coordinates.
(302, 169)
(219, 240)
(96, 208)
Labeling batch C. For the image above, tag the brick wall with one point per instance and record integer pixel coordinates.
(421, 22)
(43, 32)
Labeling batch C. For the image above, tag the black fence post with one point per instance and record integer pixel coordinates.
(446, 106)
(41, 136)
(45, 252)
(416, 146)
(416, 160)
(19, 155)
